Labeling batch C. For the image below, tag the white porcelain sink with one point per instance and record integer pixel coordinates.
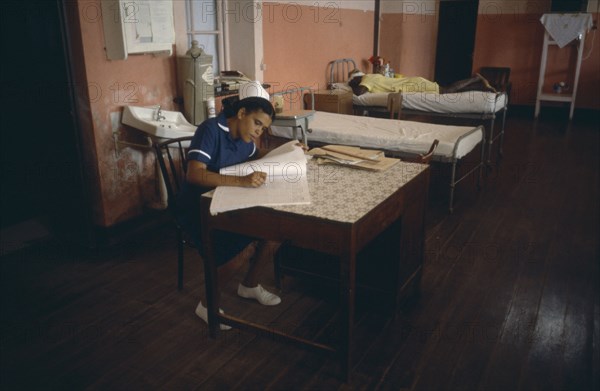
(173, 124)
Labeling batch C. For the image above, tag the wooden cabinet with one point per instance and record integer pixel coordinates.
(332, 101)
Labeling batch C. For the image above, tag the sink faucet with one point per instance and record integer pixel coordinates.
(159, 116)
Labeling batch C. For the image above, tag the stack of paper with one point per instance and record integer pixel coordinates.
(286, 184)
(353, 156)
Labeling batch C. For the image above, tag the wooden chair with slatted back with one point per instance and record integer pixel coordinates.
(172, 159)
(394, 104)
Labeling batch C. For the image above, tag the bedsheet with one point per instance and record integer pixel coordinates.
(391, 135)
(476, 102)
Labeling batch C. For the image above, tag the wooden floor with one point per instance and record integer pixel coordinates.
(509, 298)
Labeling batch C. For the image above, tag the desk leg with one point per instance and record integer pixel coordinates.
(347, 300)
(212, 284)
(412, 250)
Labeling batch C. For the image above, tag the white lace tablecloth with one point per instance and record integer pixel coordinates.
(563, 28)
(346, 194)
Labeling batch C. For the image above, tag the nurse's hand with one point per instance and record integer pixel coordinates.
(256, 179)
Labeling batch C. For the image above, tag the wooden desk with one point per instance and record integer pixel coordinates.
(349, 209)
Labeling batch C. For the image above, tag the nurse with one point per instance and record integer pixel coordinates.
(228, 139)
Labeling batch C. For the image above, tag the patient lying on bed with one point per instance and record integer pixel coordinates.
(362, 83)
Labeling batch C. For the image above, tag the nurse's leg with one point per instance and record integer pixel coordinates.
(250, 288)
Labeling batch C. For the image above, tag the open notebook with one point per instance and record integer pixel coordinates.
(286, 184)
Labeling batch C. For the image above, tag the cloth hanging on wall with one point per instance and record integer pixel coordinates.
(563, 28)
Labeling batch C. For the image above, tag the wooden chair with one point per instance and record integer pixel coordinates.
(172, 159)
(171, 156)
(394, 104)
(499, 78)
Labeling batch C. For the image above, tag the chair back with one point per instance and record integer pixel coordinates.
(172, 159)
(499, 77)
(394, 104)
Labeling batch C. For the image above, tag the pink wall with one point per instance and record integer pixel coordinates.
(296, 51)
(124, 181)
(298, 48)
(408, 42)
(519, 46)
(507, 39)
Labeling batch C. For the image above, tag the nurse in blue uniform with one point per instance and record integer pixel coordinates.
(230, 138)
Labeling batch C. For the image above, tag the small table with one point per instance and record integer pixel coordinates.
(349, 209)
(332, 101)
(295, 119)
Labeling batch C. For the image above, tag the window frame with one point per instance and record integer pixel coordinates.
(220, 33)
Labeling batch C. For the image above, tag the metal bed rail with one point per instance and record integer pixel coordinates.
(491, 137)
(480, 165)
(339, 70)
(442, 159)
(454, 161)
(297, 95)
(344, 64)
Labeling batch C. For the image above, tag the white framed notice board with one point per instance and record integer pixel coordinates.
(137, 26)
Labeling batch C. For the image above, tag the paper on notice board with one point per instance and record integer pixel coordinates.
(287, 182)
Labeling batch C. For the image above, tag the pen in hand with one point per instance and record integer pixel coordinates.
(255, 179)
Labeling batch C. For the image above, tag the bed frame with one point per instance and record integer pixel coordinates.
(338, 73)
(453, 160)
(491, 137)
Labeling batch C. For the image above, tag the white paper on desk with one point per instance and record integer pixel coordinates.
(286, 160)
(286, 184)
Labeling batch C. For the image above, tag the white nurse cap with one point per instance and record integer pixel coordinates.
(253, 89)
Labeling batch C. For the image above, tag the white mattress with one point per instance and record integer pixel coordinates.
(471, 102)
(391, 135)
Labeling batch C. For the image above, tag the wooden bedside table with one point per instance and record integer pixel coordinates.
(332, 101)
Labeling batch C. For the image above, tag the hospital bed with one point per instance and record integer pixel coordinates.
(477, 105)
(403, 139)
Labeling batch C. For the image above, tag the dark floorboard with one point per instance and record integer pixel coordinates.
(508, 299)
